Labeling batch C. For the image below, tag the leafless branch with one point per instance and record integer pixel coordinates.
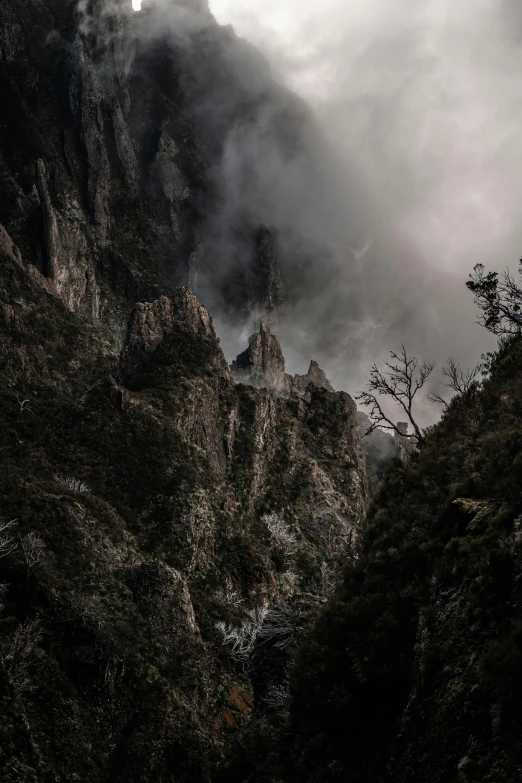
(459, 380)
(438, 399)
(33, 550)
(74, 484)
(400, 380)
(24, 405)
(7, 541)
(18, 656)
(242, 638)
(281, 625)
(279, 530)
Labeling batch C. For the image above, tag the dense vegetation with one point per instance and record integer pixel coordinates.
(414, 671)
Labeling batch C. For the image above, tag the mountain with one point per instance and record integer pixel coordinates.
(166, 534)
(142, 150)
(167, 531)
(206, 573)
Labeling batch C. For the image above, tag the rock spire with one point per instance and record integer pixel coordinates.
(262, 364)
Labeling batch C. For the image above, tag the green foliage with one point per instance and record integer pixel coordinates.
(499, 299)
(413, 670)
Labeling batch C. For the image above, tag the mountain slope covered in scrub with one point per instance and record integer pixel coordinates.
(414, 671)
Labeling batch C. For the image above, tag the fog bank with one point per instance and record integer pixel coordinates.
(421, 104)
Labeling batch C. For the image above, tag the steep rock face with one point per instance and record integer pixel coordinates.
(167, 536)
(113, 161)
(314, 376)
(65, 262)
(262, 364)
(151, 322)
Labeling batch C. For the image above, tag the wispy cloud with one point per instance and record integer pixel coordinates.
(422, 104)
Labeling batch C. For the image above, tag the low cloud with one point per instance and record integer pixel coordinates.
(422, 107)
(386, 175)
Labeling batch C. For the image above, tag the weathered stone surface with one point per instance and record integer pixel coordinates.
(67, 266)
(262, 364)
(314, 376)
(8, 246)
(132, 164)
(151, 322)
(165, 502)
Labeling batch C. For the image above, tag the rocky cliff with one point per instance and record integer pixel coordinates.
(125, 149)
(166, 535)
(169, 525)
(190, 587)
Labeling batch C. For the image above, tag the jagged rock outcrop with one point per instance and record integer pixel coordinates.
(151, 322)
(162, 514)
(262, 364)
(113, 161)
(165, 533)
(314, 376)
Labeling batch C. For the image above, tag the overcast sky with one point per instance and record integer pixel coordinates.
(423, 98)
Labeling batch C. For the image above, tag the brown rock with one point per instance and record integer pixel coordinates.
(262, 364)
(316, 376)
(151, 322)
(8, 246)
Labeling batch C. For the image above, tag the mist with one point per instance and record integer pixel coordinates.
(421, 107)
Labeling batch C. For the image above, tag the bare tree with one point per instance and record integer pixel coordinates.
(281, 625)
(232, 595)
(279, 531)
(18, 656)
(74, 484)
(459, 380)
(400, 380)
(242, 638)
(24, 404)
(325, 583)
(33, 550)
(234, 598)
(7, 541)
(499, 298)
